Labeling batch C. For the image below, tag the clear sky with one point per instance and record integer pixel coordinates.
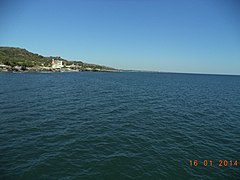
(201, 36)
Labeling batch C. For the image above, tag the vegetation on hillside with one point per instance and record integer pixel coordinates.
(12, 56)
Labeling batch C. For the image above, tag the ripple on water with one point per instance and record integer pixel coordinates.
(118, 125)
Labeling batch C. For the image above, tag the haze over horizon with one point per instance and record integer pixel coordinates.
(172, 36)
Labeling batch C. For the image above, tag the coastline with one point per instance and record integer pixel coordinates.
(23, 69)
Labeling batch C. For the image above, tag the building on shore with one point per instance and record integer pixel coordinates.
(57, 64)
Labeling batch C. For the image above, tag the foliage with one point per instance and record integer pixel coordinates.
(21, 57)
(12, 56)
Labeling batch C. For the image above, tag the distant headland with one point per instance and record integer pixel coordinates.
(14, 59)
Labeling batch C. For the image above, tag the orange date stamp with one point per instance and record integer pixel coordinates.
(209, 163)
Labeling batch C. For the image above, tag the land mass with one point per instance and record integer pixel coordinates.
(14, 59)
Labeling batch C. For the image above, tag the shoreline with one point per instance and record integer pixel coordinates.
(22, 69)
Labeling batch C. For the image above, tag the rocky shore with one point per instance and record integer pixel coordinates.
(5, 68)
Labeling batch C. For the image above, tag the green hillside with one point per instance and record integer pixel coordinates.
(16, 56)
(12, 56)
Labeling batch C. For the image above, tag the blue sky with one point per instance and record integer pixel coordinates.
(201, 36)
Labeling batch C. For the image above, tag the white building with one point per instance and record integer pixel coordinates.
(57, 64)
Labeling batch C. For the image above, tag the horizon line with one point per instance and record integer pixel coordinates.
(133, 70)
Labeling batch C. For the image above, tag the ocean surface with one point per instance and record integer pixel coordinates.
(119, 126)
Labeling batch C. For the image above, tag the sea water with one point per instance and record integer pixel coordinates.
(119, 126)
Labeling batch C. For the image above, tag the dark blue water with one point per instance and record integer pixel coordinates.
(118, 126)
